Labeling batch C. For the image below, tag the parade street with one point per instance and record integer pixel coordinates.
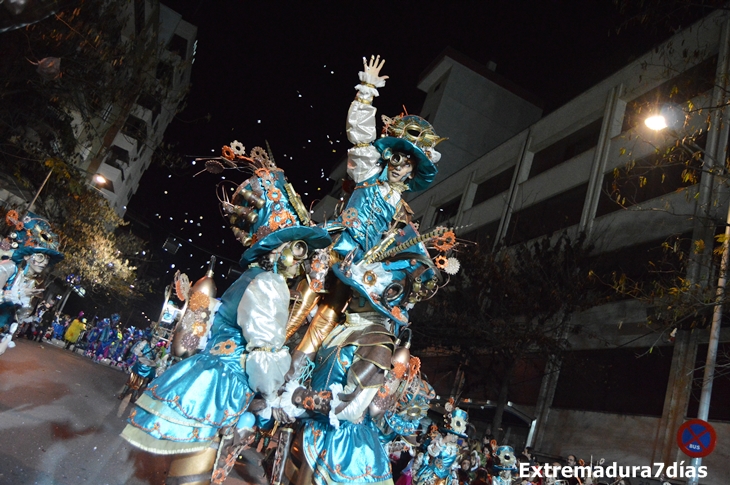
(59, 424)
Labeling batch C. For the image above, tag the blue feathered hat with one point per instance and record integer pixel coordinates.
(506, 459)
(414, 136)
(34, 235)
(264, 211)
(457, 421)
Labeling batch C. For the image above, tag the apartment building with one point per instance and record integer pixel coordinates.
(125, 134)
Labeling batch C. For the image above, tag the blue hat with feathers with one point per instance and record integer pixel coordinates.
(264, 211)
(34, 235)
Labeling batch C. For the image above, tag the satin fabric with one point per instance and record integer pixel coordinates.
(438, 467)
(351, 453)
(183, 409)
(367, 216)
(262, 310)
(141, 366)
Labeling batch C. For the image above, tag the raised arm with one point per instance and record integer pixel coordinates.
(363, 158)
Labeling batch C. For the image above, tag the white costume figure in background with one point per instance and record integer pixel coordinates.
(37, 249)
(505, 465)
(439, 463)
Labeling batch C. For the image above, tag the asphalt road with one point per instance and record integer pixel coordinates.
(59, 424)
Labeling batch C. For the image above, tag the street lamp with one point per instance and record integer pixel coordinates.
(668, 116)
(99, 181)
(660, 122)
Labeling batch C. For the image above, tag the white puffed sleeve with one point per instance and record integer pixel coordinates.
(362, 160)
(262, 315)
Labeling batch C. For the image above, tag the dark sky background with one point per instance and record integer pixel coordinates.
(284, 72)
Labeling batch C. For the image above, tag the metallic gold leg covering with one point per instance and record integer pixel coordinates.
(193, 465)
(301, 308)
(304, 477)
(327, 317)
(135, 381)
(297, 469)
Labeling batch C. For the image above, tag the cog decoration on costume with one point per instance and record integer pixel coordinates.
(30, 234)
(456, 420)
(182, 286)
(318, 269)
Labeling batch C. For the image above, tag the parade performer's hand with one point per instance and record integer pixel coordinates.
(281, 416)
(370, 80)
(286, 400)
(371, 71)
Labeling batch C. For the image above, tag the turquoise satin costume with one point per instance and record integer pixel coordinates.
(184, 409)
(367, 216)
(144, 370)
(438, 468)
(351, 452)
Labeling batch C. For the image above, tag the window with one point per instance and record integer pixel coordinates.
(151, 103)
(118, 153)
(493, 186)
(685, 86)
(179, 45)
(567, 148)
(135, 128)
(550, 215)
(483, 235)
(614, 381)
(164, 73)
(650, 177)
(107, 112)
(643, 263)
(447, 211)
(118, 158)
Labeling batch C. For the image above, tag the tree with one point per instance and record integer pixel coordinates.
(92, 236)
(60, 74)
(508, 304)
(668, 15)
(68, 83)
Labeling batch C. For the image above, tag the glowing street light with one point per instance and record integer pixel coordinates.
(656, 122)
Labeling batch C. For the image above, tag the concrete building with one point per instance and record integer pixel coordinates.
(120, 141)
(557, 175)
(509, 176)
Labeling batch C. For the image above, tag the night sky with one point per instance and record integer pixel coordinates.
(284, 72)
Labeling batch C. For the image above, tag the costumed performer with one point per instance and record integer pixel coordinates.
(404, 159)
(201, 403)
(144, 368)
(505, 464)
(437, 464)
(37, 248)
(340, 441)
